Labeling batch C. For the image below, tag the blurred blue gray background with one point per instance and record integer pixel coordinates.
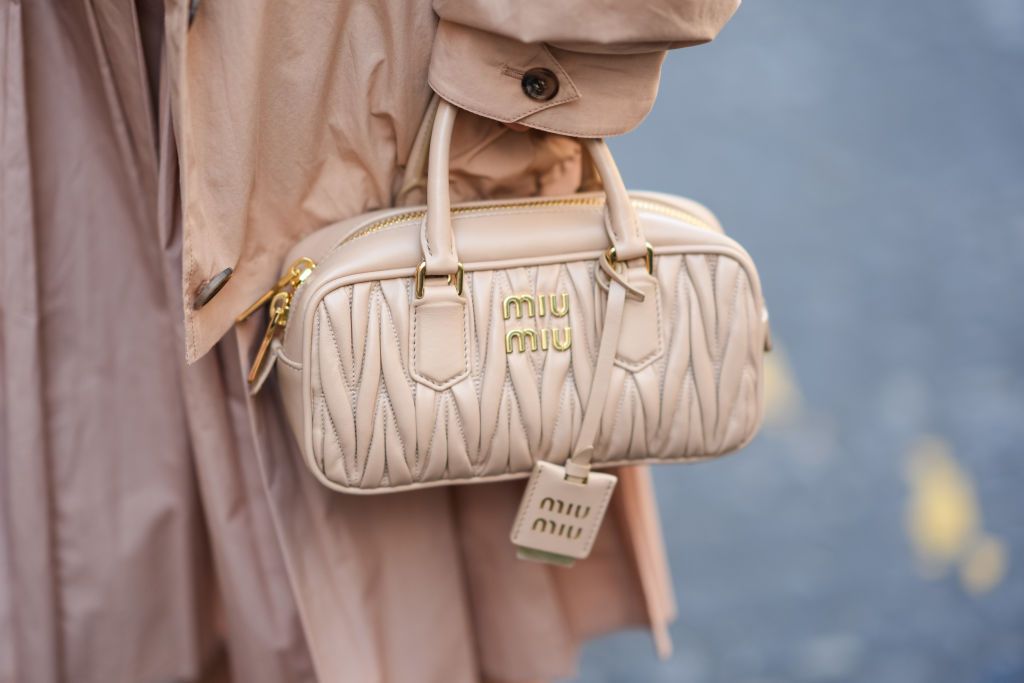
(870, 156)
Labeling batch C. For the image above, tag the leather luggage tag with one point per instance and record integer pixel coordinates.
(559, 517)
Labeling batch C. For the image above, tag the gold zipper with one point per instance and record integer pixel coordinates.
(654, 206)
(281, 294)
(295, 275)
(409, 216)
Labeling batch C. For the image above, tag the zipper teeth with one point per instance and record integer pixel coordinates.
(651, 205)
(645, 204)
(666, 210)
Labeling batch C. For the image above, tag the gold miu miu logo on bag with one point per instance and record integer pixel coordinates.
(539, 306)
(556, 527)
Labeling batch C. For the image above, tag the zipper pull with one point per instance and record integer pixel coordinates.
(293, 277)
(279, 305)
(280, 298)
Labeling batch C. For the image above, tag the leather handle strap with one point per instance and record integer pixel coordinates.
(437, 237)
(415, 175)
(621, 222)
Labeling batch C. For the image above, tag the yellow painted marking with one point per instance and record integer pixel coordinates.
(984, 567)
(943, 513)
(944, 522)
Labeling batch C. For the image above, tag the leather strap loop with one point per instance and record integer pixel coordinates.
(437, 237)
(609, 270)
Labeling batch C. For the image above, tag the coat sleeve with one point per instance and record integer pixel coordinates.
(575, 67)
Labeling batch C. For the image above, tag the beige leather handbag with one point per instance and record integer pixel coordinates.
(492, 340)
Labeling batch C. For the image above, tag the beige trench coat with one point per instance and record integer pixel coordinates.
(156, 523)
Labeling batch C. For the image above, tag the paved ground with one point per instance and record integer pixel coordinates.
(870, 155)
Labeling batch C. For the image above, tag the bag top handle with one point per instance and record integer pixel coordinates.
(437, 238)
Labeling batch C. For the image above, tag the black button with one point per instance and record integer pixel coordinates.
(209, 289)
(540, 84)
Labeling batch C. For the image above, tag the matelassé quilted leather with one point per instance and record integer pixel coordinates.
(373, 425)
(392, 382)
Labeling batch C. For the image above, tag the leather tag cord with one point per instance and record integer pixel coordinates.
(563, 507)
(578, 465)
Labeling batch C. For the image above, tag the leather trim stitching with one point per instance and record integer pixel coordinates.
(638, 365)
(433, 382)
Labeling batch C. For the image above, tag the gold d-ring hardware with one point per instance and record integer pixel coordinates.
(648, 257)
(421, 278)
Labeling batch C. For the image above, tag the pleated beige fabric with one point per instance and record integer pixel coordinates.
(156, 522)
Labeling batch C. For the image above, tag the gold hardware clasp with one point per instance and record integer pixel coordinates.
(648, 257)
(293, 277)
(280, 299)
(421, 278)
(279, 306)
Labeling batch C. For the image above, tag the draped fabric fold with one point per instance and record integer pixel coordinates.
(28, 625)
(155, 522)
(107, 576)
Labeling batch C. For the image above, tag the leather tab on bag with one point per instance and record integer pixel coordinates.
(640, 342)
(438, 347)
(558, 518)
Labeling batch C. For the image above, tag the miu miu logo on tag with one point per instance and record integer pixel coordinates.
(556, 527)
(539, 306)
